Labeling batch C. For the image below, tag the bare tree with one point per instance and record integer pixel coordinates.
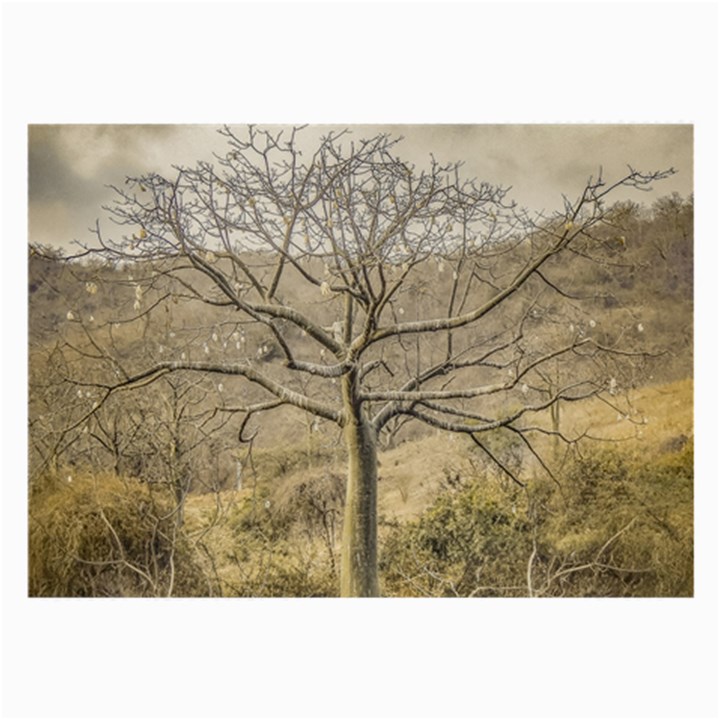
(363, 290)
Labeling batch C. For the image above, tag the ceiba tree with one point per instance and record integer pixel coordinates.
(384, 292)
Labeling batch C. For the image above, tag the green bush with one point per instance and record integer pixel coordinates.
(614, 526)
(622, 527)
(470, 541)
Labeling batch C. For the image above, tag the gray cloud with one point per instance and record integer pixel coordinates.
(70, 165)
(49, 176)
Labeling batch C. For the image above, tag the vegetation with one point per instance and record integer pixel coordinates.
(248, 386)
(612, 527)
(104, 536)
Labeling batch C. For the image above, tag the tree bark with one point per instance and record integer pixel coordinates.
(358, 567)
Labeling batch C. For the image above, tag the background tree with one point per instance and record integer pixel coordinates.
(358, 288)
(174, 434)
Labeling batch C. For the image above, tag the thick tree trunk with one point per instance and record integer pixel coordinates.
(358, 568)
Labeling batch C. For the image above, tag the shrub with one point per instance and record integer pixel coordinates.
(277, 546)
(622, 526)
(107, 536)
(280, 570)
(312, 504)
(273, 463)
(470, 541)
(615, 527)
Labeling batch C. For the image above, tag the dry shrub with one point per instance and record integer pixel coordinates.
(627, 522)
(283, 569)
(312, 503)
(270, 549)
(103, 536)
(284, 460)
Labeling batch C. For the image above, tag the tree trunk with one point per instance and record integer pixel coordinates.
(180, 492)
(358, 567)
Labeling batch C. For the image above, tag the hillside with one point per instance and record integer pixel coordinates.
(207, 464)
(644, 283)
(659, 421)
(295, 510)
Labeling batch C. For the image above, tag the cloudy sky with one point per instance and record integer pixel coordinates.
(71, 165)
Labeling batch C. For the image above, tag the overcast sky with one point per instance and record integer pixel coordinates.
(70, 165)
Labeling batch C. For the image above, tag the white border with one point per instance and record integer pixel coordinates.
(361, 63)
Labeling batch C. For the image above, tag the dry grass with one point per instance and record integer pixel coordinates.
(101, 535)
(645, 418)
(412, 473)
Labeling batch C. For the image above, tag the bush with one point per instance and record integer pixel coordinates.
(106, 536)
(615, 527)
(622, 527)
(281, 540)
(273, 463)
(279, 548)
(472, 540)
(312, 504)
(280, 570)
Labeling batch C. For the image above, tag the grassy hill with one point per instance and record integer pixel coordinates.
(285, 527)
(451, 521)
(651, 421)
(616, 519)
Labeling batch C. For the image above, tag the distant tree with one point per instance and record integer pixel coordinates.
(358, 288)
(672, 235)
(170, 436)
